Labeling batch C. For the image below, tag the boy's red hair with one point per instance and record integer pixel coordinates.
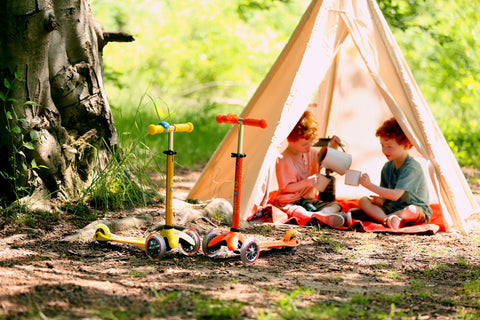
(305, 128)
(390, 129)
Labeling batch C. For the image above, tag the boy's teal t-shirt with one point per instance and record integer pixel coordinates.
(408, 177)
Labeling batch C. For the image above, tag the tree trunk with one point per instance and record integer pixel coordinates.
(51, 55)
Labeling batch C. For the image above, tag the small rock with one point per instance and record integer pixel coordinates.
(188, 215)
(14, 238)
(220, 209)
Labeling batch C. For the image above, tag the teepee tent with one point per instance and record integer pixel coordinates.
(343, 61)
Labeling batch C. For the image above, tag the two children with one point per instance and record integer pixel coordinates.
(402, 196)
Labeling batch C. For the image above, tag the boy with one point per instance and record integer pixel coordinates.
(402, 195)
(296, 175)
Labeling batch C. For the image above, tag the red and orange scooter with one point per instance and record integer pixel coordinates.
(248, 248)
(169, 238)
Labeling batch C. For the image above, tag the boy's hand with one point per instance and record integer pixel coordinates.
(365, 180)
(378, 201)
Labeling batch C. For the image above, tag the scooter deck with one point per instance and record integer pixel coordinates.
(137, 241)
(278, 244)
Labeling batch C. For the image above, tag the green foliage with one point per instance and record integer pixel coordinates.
(247, 7)
(463, 137)
(122, 183)
(400, 14)
(189, 62)
(187, 53)
(189, 56)
(441, 47)
(18, 138)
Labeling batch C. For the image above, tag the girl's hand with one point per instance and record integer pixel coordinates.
(312, 180)
(334, 142)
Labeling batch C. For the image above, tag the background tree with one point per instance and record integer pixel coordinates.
(55, 122)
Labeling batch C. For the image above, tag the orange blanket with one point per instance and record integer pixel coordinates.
(437, 222)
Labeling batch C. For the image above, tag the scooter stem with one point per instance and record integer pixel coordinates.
(234, 119)
(237, 192)
(169, 183)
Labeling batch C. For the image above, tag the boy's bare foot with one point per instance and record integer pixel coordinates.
(394, 221)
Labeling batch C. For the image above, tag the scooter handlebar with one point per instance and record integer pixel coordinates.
(234, 119)
(165, 127)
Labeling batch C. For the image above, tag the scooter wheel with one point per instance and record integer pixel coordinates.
(250, 251)
(155, 247)
(101, 229)
(212, 250)
(187, 248)
(293, 249)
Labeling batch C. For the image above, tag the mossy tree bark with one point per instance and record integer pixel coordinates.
(51, 55)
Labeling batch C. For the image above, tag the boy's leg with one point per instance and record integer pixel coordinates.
(358, 214)
(410, 215)
(372, 210)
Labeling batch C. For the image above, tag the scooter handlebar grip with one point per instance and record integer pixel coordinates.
(233, 119)
(155, 128)
(183, 127)
(262, 123)
(227, 118)
(180, 127)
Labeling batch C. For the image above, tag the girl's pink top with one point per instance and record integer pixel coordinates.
(292, 168)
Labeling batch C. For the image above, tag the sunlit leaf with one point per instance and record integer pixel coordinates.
(18, 75)
(31, 103)
(29, 145)
(33, 135)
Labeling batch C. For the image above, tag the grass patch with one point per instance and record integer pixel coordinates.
(193, 149)
(292, 306)
(322, 237)
(194, 305)
(419, 289)
(472, 287)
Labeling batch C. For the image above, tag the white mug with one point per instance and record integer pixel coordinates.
(335, 160)
(352, 177)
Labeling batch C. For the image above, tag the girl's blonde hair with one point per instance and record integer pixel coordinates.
(305, 128)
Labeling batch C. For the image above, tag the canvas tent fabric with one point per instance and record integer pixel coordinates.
(335, 43)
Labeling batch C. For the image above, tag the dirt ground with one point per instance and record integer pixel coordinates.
(43, 277)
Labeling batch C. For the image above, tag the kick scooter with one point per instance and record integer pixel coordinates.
(155, 245)
(248, 248)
